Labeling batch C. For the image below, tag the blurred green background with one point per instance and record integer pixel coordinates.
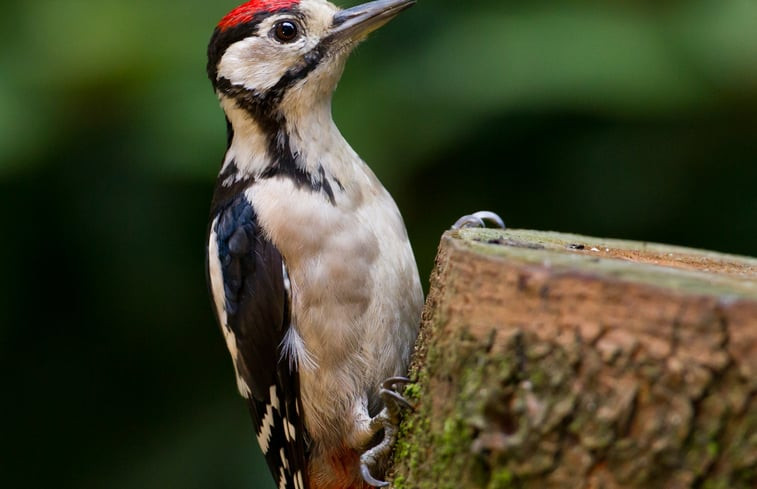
(628, 119)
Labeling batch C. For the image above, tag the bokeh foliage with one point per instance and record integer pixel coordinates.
(630, 119)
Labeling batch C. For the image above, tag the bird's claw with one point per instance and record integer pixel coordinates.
(368, 478)
(392, 398)
(479, 220)
(388, 420)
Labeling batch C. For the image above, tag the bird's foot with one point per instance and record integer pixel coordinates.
(479, 220)
(388, 420)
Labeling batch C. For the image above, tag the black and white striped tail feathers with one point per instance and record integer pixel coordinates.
(281, 437)
(248, 282)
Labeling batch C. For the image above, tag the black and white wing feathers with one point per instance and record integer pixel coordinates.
(247, 280)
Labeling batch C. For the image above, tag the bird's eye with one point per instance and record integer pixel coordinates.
(285, 31)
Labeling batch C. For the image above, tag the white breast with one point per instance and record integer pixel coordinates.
(355, 288)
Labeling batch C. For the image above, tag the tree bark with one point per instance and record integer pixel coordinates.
(559, 361)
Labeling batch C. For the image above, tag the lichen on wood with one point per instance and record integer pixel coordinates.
(562, 361)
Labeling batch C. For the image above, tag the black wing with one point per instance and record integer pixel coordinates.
(255, 312)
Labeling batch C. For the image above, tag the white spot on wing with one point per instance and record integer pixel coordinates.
(274, 398)
(264, 437)
(284, 461)
(266, 425)
(289, 432)
(298, 484)
(287, 283)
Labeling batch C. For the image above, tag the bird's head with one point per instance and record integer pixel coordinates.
(265, 48)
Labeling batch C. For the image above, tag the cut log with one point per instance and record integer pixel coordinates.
(548, 360)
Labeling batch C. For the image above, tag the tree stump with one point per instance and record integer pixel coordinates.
(548, 360)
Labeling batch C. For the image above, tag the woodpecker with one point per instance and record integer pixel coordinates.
(310, 270)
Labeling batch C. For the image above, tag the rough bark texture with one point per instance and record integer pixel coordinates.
(560, 361)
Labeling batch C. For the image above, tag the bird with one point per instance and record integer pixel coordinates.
(310, 270)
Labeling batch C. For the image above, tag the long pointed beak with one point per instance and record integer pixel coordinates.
(354, 24)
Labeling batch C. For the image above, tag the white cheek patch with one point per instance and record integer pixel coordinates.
(255, 63)
(258, 62)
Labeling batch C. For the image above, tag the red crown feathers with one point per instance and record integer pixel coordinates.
(245, 12)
